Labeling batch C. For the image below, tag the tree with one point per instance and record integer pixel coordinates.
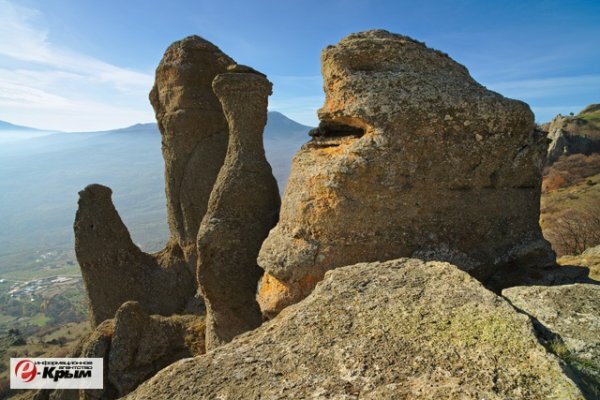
(575, 231)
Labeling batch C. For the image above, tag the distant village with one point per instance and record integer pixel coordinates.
(33, 287)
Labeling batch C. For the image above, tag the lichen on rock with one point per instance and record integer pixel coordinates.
(568, 318)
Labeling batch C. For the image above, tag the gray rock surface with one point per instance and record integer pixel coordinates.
(243, 207)
(573, 313)
(115, 270)
(412, 157)
(402, 329)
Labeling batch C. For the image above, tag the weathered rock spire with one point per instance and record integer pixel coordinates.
(243, 207)
(194, 132)
(194, 140)
(115, 270)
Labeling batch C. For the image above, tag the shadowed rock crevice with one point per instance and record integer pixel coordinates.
(243, 207)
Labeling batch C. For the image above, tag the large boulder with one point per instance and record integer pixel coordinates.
(412, 157)
(243, 207)
(402, 329)
(571, 314)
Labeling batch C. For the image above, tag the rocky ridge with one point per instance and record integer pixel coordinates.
(574, 134)
(412, 158)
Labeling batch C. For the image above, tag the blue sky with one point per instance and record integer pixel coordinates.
(81, 65)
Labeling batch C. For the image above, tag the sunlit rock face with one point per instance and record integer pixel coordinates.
(412, 158)
(401, 329)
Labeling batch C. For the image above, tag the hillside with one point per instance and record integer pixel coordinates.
(570, 205)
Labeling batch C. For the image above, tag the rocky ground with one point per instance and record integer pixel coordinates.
(403, 329)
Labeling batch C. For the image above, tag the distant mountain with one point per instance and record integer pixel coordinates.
(41, 176)
(278, 125)
(11, 132)
(7, 126)
(283, 137)
(139, 128)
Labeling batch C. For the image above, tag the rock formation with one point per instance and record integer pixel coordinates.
(412, 157)
(135, 346)
(402, 329)
(194, 132)
(243, 207)
(579, 134)
(115, 270)
(194, 140)
(569, 319)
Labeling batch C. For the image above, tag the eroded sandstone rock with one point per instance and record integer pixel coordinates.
(243, 207)
(115, 270)
(402, 329)
(194, 132)
(412, 157)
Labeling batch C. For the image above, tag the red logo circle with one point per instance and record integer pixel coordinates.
(26, 370)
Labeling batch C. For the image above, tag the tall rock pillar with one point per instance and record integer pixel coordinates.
(193, 130)
(242, 208)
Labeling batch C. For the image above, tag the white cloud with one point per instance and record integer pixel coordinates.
(56, 88)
